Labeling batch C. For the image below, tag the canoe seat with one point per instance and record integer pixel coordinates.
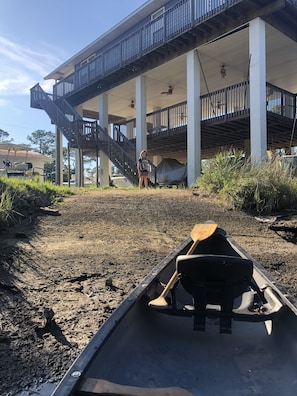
(214, 280)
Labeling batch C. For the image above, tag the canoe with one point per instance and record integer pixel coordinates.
(225, 328)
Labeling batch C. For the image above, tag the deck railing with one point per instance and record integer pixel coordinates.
(181, 17)
(170, 118)
(225, 104)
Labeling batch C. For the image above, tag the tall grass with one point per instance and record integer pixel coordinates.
(220, 173)
(263, 188)
(6, 208)
(21, 197)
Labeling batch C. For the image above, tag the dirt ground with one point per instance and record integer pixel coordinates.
(65, 270)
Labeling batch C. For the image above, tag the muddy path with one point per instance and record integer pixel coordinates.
(65, 270)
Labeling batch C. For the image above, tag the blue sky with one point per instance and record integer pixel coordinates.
(36, 37)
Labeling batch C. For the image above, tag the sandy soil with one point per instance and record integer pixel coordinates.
(65, 270)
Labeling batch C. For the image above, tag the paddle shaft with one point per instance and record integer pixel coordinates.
(174, 277)
(198, 233)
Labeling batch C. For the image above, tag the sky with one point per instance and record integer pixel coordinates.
(36, 37)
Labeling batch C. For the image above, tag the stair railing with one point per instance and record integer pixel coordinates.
(122, 139)
(57, 116)
(125, 163)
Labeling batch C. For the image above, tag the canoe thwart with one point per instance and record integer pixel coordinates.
(94, 386)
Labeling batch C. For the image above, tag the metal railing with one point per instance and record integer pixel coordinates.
(181, 17)
(280, 102)
(85, 134)
(224, 104)
(112, 149)
(170, 118)
(62, 115)
(123, 141)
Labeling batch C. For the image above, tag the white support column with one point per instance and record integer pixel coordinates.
(194, 118)
(258, 123)
(105, 165)
(79, 168)
(79, 159)
(141, 139)
(103, 110)
(59, 157)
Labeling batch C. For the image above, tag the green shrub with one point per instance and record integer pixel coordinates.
(22, 197)
(265, 188)
(221, 172)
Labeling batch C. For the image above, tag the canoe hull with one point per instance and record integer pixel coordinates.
(142, 347)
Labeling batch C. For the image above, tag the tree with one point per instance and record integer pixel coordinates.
(44, 142)
(4, 135)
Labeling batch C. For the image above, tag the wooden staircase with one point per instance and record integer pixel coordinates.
(87, 135)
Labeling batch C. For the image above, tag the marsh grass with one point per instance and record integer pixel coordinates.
(263, 188)
(21, 197)
(6, 208)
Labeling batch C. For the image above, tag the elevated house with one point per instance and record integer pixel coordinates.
(183, 79)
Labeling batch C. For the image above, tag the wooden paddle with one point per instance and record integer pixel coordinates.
(198, 233)
(94, 386)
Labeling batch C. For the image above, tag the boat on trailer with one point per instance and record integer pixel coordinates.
(207, 320)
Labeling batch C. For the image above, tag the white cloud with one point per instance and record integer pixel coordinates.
(21, 67)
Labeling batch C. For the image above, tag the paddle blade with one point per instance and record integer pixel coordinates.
(203, 231)
(159, 302)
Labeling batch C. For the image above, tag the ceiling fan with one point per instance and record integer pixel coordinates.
(169, 91)
(132, 104)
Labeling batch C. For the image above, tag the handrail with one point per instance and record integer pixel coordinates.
(181, 17)
(121, 159)
(226, 103)
(41, 99)
(125, 143)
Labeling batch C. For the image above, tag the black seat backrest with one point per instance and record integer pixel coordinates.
(214, 274)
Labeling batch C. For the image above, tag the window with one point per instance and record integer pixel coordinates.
(157, 14)
(157, 26)
(89, 59)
